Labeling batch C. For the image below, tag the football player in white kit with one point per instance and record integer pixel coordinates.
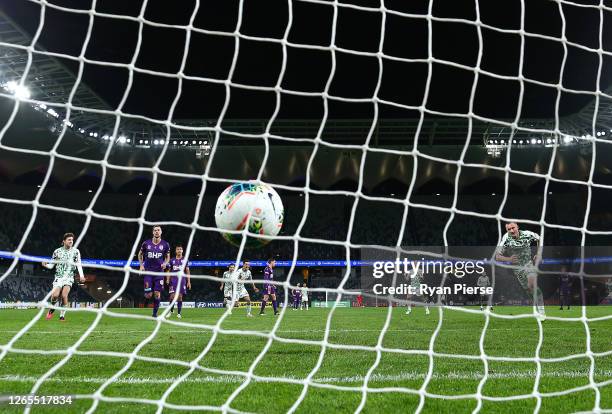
(243, 275)
(415, 284)
(66, 260)
(304, 303)
(227, 286)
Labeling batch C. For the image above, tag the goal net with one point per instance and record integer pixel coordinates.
(384, 124)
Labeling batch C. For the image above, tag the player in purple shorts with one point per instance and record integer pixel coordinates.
(176, 265)
(565, 289)
(269, 289)
(154, 256)
(297, 297)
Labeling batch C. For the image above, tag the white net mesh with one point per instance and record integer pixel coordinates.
(560, 130)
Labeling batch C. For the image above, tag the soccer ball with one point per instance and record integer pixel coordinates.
(257, 206)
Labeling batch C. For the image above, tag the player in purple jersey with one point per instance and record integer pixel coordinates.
(565, 289)
(177, 290)
(297, 297)
(269, 288)
(154, 256)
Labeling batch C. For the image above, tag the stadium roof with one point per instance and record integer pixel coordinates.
(50, 80)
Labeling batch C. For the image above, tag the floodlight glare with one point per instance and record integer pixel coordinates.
(19, 91)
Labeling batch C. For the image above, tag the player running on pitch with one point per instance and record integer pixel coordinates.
(269, 288)
(154, 256)
(515, 247)
(243, 275)
(67, 259)
(227, 286)
(483, 282)
(176, 265)
(415, 286)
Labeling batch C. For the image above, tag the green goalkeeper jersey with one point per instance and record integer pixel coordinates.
(66, 261)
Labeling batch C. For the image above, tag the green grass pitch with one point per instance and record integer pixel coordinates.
(392, 387)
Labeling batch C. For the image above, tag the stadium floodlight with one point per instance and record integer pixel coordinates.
(140, 141)
(90, 191)
(548, 140)
(99, 287)
(18, 91)
(539, 141)
(503, 141)
(146, 142)
(156, 142)
(521, 142)
(127, 140)
(567, 139)
(533, 140)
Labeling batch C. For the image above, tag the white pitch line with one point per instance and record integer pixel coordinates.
(204, 330)
(227, 379)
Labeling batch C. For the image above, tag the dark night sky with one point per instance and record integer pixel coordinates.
(307, 70)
